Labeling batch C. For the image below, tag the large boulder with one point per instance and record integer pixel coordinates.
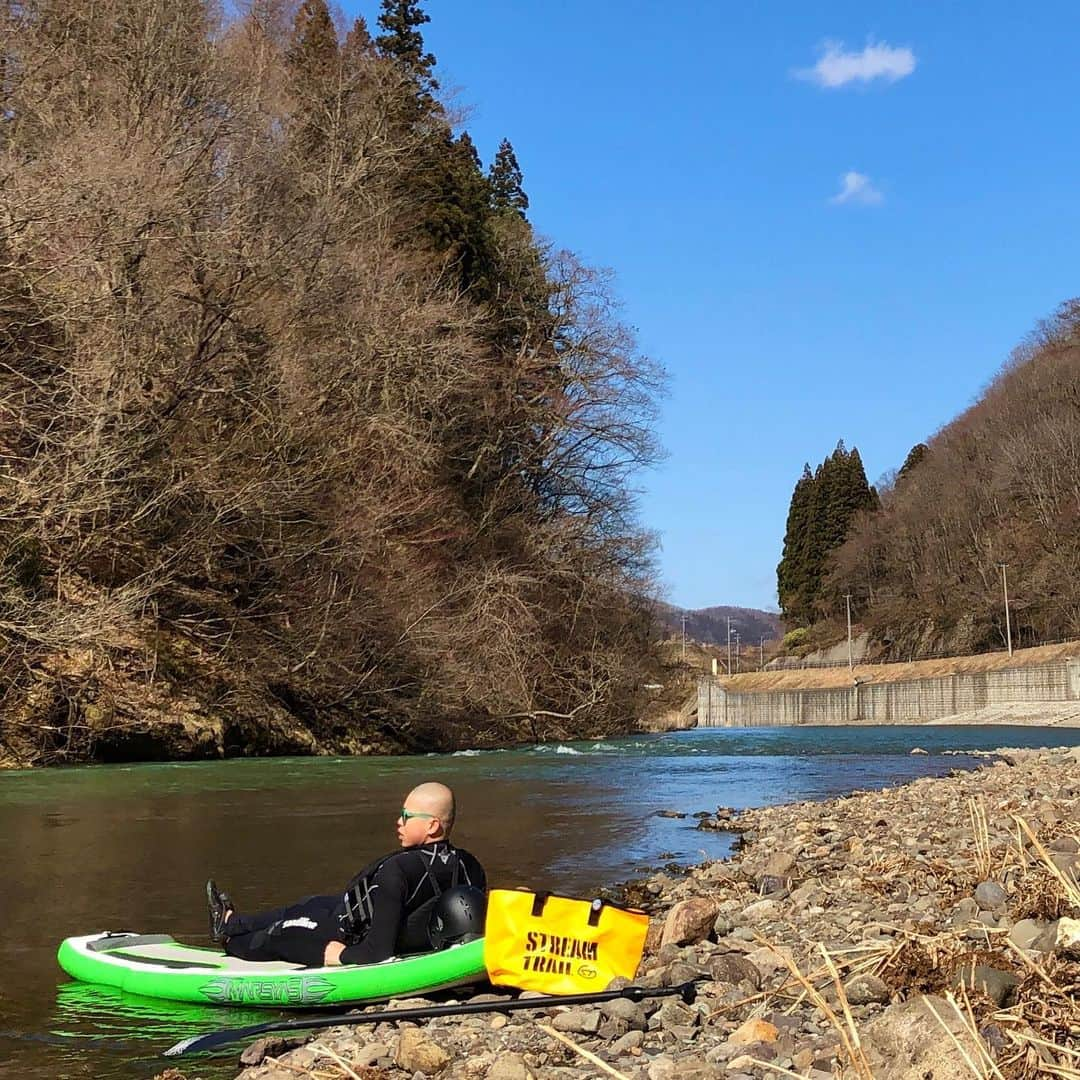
(907, 1043)
(690, 921)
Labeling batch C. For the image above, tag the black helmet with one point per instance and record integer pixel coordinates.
(458, 916)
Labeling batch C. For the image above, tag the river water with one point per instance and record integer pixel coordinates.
(130, 847)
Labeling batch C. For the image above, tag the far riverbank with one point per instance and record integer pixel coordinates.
(1045, 685)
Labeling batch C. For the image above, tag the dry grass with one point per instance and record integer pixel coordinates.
(1038, 1036)
(832, 678)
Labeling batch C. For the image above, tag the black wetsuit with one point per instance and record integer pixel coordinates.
(382, 913)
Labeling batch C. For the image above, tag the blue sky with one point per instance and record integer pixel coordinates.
(699, 150)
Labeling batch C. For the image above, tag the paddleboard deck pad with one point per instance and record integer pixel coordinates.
(158, 966)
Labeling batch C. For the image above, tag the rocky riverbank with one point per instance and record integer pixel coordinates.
(929, 930)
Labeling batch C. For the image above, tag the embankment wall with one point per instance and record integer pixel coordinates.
(912, 702)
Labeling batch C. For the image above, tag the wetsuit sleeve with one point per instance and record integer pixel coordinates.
(387, 914)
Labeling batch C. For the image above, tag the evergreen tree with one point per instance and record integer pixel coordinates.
(312, 59)
(823, 507)
(358, 42)
(915, 457)
(402, 41)
(313, 50)
(455, 201)
(790, 572)
(505, 179)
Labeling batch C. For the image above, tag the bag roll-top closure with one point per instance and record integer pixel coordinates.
(597, 905)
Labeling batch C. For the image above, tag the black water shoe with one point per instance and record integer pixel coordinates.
(219, 905)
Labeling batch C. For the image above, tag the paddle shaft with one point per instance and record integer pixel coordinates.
(221, 1038)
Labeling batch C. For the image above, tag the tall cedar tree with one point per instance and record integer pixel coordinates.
(790, 577)
(505, 179)
(457, 210)
(402, 41)
(823, 507)
(314, 48)
(312, 58)
(358, 44)
(916, 456)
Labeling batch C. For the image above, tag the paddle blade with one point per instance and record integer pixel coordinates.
(197, 1043)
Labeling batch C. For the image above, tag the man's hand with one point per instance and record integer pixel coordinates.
(332, 955)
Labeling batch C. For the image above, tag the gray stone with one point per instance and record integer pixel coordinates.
(780, 864)
(996, 985)
(866, 989)
(662, 1068)
(688, 1069)
(629, 1012)
(369, 1054)
(989, 895)
(681, 972)
(581, 1021)
(509, 1066)
(672, 1014)
(722, 926)
(732, 968)
(630, 1041)
(272, 1046)
(1066, 861)
(717, 871)
(1064, 844)
(965, 911)
(1026, 931)
(761, 911)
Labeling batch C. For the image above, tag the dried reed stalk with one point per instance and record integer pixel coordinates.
(1072, 892)
(602, 1065)
(318, 1048)
(848, 1035)
(980, 827)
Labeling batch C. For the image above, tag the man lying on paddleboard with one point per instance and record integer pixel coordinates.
(384, 911)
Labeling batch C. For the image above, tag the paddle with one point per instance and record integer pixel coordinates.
(197, 1043)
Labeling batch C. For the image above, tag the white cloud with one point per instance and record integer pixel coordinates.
(857, 188)
(838, 68)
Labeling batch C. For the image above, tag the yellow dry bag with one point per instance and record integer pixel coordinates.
(559, 945)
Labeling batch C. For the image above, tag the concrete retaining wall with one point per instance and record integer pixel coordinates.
(910, 702)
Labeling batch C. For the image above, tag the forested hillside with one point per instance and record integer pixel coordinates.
(710, 625)
(998, 485)
(306, 441)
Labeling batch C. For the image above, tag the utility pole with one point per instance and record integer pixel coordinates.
(729, 644)
(736, 652)
(1008, 623)
(850, 654)
(684, 639)
(762, 647)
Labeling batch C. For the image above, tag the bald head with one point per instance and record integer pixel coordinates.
(436, 800)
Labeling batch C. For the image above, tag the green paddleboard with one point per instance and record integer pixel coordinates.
(157, 966)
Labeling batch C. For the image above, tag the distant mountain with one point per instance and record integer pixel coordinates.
(709, 625)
